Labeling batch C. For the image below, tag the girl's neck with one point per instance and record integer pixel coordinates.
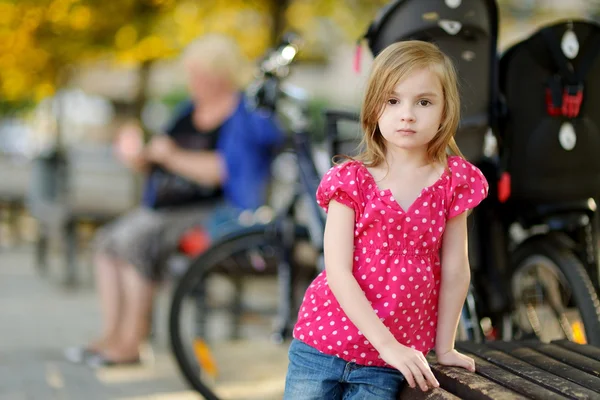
(406, 159)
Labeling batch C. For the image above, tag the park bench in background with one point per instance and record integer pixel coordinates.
(87, 186)
(14, 180)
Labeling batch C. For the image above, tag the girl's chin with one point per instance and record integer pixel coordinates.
(407, 143)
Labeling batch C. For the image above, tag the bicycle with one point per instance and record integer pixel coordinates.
(215, 281)
(258, 250)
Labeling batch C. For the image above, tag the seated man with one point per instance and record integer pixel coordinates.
(216, 154)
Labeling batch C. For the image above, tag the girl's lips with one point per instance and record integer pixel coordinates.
(406, 131)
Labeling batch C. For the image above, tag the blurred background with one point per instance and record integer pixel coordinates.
(72, 72)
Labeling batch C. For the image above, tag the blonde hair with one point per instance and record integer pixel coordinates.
(221, 55)
(393, 64)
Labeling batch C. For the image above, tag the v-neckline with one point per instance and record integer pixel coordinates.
(387, 193)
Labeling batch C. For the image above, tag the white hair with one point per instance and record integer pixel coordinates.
(219, 54)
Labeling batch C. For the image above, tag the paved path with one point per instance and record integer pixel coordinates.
(39, 318)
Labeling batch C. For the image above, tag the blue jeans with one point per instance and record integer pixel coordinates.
(313, 375)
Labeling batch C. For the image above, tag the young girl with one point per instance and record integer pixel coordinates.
(396, 266)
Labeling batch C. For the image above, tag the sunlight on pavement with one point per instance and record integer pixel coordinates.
(127, 374)
(186, 395)
(264, 390)
(53, 376)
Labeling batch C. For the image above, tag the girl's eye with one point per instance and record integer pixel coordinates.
(424, 103)
(392, 101)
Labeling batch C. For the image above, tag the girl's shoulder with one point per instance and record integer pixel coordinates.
(467, 188)
(458, 162)
(348, 167)
(343, 182)
(462, 171)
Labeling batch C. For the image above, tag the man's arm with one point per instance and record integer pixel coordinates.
(204, 167)
(201, 166)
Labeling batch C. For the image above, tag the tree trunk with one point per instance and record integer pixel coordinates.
(279, 25)
(142, 93)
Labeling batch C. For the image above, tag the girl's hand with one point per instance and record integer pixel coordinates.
(454, 358)
(411, 363)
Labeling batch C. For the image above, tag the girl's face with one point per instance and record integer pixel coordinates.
(413, 113)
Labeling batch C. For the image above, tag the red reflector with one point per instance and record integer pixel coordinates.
(194, 242)
(504, 187)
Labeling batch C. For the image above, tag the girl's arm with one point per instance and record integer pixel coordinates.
(456, 275)
(339, 245)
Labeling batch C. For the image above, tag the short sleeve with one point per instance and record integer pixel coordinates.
(468, 187)
(342, 184)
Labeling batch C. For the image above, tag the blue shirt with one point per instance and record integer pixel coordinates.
(247, 141)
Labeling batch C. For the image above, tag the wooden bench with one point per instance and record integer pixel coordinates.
(519, 370)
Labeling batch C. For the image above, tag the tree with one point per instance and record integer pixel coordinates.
(41, 41)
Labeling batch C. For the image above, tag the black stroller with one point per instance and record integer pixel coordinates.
(550, 178)
(533, 252)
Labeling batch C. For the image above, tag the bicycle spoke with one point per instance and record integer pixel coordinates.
(533, 319)
(546, 302)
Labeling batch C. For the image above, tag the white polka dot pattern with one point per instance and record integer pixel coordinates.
(396, 259)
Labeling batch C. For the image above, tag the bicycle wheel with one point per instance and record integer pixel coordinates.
(221, 320)
(553, 295)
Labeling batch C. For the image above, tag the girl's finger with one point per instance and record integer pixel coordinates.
(471, 364)
(428, 374)
(426, 370)
(416, 371)
(408, 376)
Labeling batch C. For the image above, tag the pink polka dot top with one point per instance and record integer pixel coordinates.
(396, 259)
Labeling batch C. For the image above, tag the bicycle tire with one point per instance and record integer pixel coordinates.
(200, 268)
(574, 273)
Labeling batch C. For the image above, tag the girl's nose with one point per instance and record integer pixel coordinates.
(407, 115)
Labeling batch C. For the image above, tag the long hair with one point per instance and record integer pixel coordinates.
(392, 65)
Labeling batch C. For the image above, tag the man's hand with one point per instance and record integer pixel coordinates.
(129, 142)
(454, 358)
(160, 149)
(129, 146)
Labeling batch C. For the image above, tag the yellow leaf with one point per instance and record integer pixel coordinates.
(8, 13)
(81, 17)
(43, 90)
(126, 37)
(14, 85)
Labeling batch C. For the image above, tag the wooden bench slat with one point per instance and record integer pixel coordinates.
(506, 378)
(467, 385)
(576, 360)
(528, 371)
(551, 365)
(432, 394)
(583, 349)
